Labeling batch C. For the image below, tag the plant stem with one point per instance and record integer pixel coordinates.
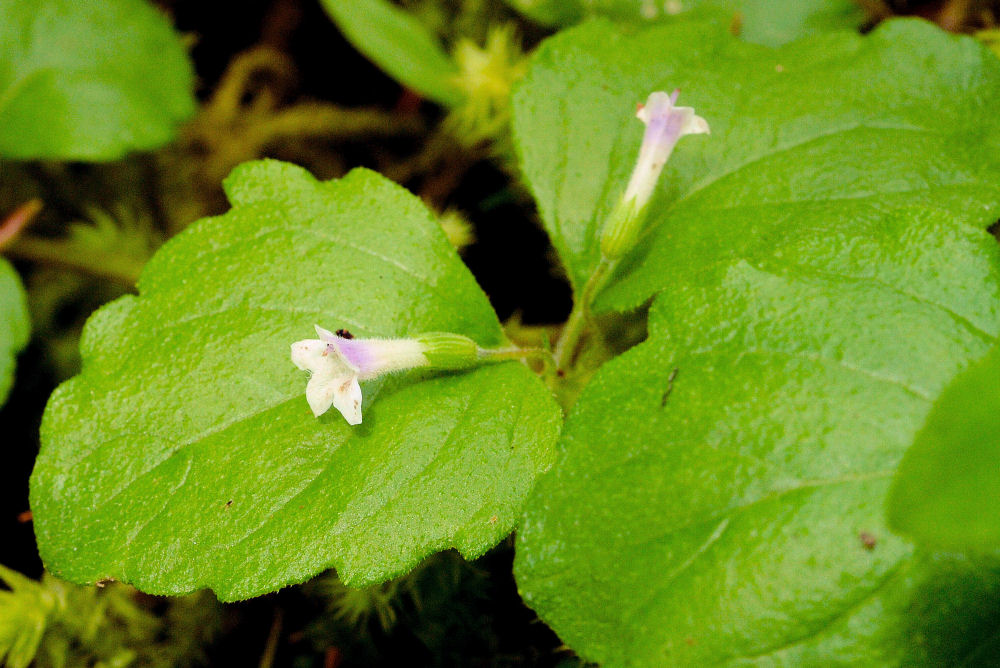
(570, 337)
(515, 353)
(877, 10)
(576, 325)
(954, 15)
(15, 223)
(273, 637)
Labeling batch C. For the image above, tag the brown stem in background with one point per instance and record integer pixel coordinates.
(327, 121)
(15, 223)
(247, 117)
(954, 15)
(877, 10)
(240, 85)
(280, 22)
(271, 648)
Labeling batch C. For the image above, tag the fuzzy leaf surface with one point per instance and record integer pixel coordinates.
(770, 22)
(185, 455)
(814, 130)
(947, 491)
(719, 497)
(88, 79)
(14, 324)
(396, 41)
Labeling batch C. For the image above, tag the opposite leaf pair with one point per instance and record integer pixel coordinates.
(820, 272)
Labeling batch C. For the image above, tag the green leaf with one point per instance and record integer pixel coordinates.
(14, 325)
(400, 44)
(825, 274)
(811, 131)
(947, 491)
(722, 484)
(88, 79)
(185, 455)
(771, 22)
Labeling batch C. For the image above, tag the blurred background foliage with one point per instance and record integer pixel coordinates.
(276, 78)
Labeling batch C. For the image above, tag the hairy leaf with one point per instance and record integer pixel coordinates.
(400, 44)
(824, 274)
(770, 22)
(813, 130)
(88, 79)
(947, 491)
(721, 490)
(14, 324)
(185, 455)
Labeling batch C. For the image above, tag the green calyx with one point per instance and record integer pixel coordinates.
(445, 350)
(621, 229)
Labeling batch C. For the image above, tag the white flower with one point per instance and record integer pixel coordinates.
(333, 382)
(665, 125)
(338, 363)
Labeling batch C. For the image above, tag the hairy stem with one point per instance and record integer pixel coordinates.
(515, 353)
(579, 317)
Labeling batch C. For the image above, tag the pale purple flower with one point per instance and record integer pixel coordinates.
(665, 125)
